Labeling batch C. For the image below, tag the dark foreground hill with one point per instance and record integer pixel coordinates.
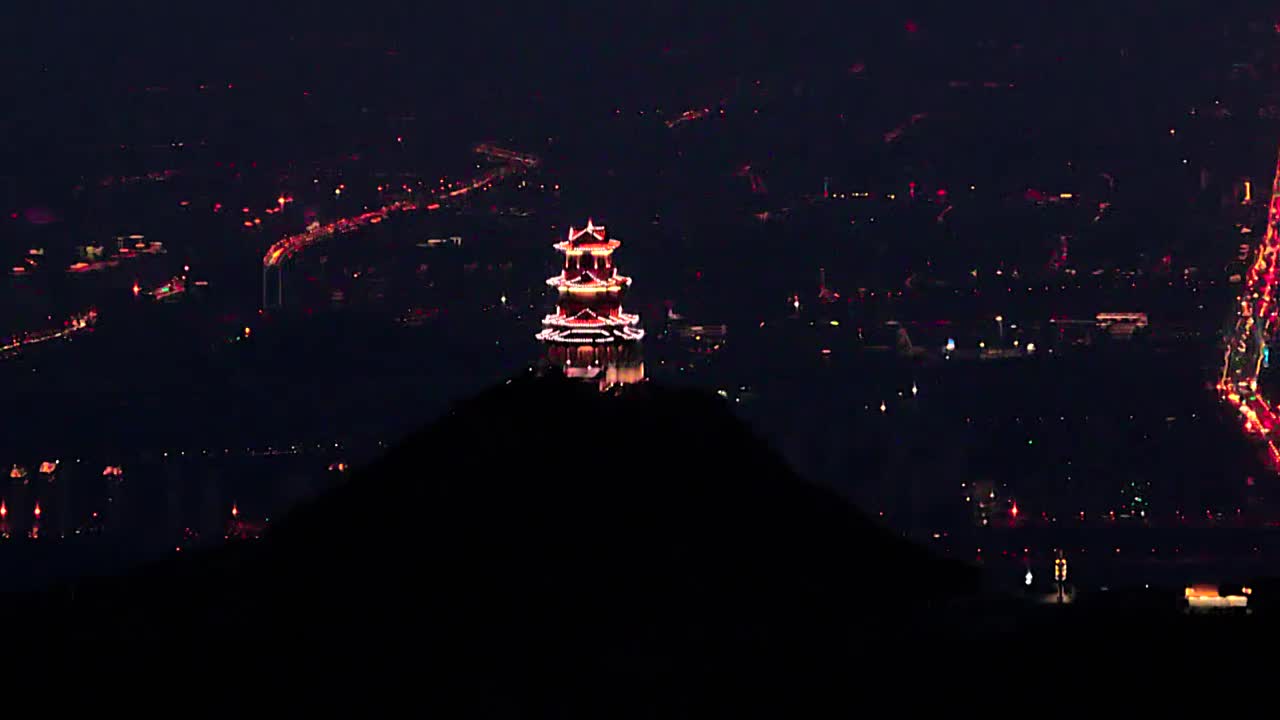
(539, 535)
(545, 548)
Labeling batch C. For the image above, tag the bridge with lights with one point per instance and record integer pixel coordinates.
(1255, 323)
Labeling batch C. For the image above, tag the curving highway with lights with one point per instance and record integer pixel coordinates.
(514, 163)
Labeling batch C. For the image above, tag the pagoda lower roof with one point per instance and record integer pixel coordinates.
(590, 336)
(587, 318)
(588, 281)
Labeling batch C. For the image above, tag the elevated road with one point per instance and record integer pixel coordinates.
(1256, 315)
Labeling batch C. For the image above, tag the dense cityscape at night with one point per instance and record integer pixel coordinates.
(624, 346)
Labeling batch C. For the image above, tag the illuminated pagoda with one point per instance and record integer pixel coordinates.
(590, 336)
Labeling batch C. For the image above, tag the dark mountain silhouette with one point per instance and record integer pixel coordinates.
(544, 549)
(539, 530)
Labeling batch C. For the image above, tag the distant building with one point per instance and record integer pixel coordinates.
(701, 338)
(1122, 325)
(1211, 599)
(451, 241)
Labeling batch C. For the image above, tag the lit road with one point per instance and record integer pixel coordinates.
(1257, 311)
(75, 324)
(290, 245)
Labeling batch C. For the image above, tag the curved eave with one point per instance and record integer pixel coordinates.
(590, 336)
(622, 320)
(613, 284)
(595, 248)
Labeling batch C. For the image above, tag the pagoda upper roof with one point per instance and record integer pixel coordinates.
(588, 280)
(591, 237)
(594, 234)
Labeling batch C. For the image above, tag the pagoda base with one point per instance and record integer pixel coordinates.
(605, 365)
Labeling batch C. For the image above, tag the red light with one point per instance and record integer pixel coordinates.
(4, 509)
(911, 26)
(1013, 511)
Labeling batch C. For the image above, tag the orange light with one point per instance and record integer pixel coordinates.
(36, 512)
(1201, 591)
